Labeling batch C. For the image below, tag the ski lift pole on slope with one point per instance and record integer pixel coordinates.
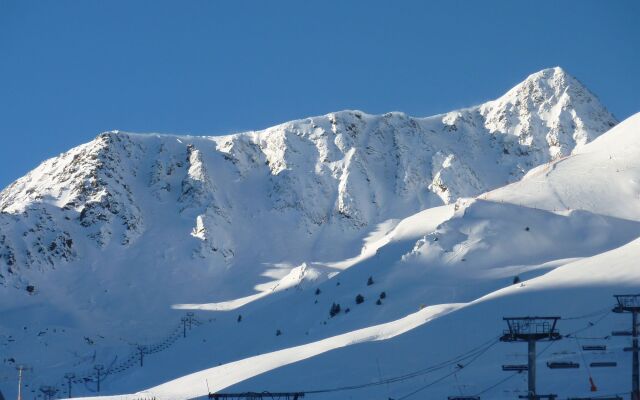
(531, 330)
(630, 303)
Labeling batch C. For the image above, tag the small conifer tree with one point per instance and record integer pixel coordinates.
(334, 310)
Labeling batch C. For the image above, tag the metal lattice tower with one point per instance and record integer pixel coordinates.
(630, 303)
(531, 330)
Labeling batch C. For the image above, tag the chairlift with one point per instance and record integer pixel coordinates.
(603, 364)
(598, 347)
(596, 398)
(515, 367)
(562, 365)
(621, 333)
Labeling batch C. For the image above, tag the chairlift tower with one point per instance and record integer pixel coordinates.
(190, 317)
(141, 350)
(99, 368)
(630, 303)
(531, 330)
(184, 326)
(48, 391)
(21, 368)
(69, 377)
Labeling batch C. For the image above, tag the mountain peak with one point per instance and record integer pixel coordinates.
(548, 84)
(549, 109)
(555, 79)
(549, 72)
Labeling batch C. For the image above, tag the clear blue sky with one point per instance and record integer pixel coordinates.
(72, 69)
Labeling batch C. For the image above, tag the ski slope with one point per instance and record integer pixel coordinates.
(601, 177)
(404, 348)
(571, 291)
(228, 374)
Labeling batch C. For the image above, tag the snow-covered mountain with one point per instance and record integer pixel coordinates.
(340, 173)
(106, 246)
